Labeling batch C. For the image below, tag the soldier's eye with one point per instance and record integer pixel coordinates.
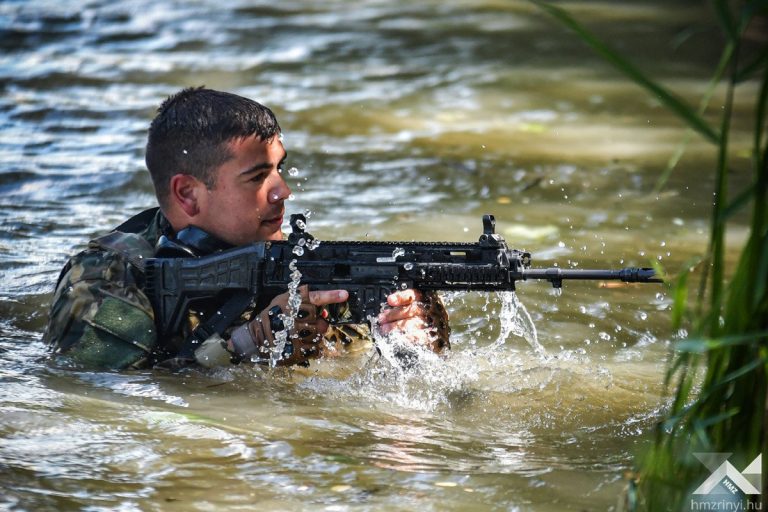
(258, 178)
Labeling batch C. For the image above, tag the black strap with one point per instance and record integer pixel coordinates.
(138, 222)
(216, 324)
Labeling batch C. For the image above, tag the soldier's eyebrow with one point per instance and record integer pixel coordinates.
(262, 166)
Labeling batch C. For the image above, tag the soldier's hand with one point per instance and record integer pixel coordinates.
(420, 317)
(303, 342)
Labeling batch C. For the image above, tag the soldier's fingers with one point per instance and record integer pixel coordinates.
(414, 309)
(321, 326)
(403, 297)
(410, 326)
(323, 297)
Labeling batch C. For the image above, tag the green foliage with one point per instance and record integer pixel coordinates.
(718, 374)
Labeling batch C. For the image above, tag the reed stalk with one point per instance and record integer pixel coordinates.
(718, 374)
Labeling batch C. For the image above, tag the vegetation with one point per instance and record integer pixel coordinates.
(717, 376)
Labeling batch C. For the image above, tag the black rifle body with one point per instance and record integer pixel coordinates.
(369, 271)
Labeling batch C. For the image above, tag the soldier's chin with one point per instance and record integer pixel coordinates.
(271, 230)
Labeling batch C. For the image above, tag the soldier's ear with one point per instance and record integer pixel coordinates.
(185, 193)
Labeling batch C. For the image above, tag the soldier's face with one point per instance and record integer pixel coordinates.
(246, 203)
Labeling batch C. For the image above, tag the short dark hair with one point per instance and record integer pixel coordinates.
(190, 133)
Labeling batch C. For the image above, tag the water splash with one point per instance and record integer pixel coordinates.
(289, 317)
(411, 375)
(515, 319)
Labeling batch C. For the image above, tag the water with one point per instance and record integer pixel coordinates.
(404, 121)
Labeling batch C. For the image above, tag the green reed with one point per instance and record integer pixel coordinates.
(717, 373)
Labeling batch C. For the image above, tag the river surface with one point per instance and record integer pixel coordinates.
(405, 121)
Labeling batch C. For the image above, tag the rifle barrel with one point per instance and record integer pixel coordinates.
(556, 275)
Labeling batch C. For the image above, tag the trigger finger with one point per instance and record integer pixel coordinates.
(323, 297)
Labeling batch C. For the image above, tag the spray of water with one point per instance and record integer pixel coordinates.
(411, 375)
(515, 319)
(288, 317)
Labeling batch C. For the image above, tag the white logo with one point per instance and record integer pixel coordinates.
(726, 478)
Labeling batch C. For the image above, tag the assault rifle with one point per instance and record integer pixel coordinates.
(234, 278)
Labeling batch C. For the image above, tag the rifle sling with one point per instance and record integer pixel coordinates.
(216, 324)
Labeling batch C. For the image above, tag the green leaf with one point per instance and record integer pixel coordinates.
(751, 69)
(737, 203)
(722, 66)
(663, 95)
(702, 345)
(723, 12)
(680, 298)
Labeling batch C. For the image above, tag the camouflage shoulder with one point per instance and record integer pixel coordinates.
(131, 246)
(99, 316)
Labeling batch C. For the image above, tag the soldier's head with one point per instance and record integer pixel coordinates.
(216, 159)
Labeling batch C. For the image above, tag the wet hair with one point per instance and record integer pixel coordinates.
(190, 133)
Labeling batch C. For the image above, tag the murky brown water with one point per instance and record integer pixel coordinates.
(406, 120)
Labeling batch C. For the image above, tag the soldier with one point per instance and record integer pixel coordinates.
(215, 160)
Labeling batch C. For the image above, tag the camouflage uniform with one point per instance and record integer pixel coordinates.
(101, 318)
(99, 315)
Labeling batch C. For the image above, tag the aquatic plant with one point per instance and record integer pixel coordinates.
(717, 372)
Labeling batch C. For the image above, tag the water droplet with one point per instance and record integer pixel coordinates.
(403, 286)
(301, 243)
(185, 151)
(399, 251)
(313, 244)
(408, 266)
(293, 171)
(300, 224)
(561, 244)
(291, 197)
(307, 213)
(298, 251)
